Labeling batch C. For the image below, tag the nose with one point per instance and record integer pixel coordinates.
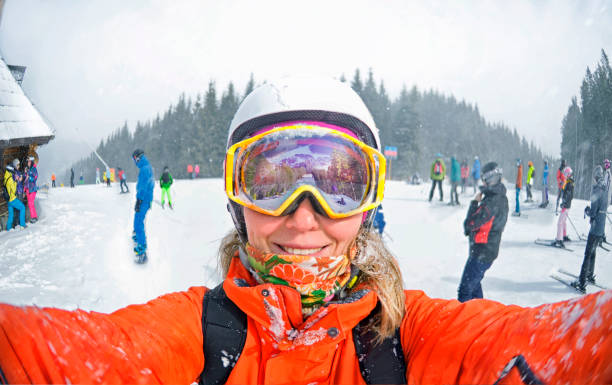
(304, 218)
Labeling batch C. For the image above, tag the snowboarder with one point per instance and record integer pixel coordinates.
(529, 184)
(465, 173)
(544, 203)
(123, 180)
(476, 173)
(518, 185)
(71, 177)
(97, 175)
(597, 215)
(560, 183)
(290, 315)
(566, 203)
(437, 174)
(455, 178)
(11, 177)
(144, 196)
(31, 174)
(379, 221)
(484, 224)
(165, 181)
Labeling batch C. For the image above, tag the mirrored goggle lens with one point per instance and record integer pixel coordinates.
(271, 169)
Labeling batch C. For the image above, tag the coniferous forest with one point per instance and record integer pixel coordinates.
(419, 123)
(587, 127)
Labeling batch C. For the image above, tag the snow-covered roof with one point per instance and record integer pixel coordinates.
(20, 122)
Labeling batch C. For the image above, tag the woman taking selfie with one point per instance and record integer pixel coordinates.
(310, 294)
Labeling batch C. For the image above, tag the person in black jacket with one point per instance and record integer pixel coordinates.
(484, 224)
(567, 195)
(597, 214)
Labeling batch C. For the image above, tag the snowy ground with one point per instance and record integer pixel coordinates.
(79, 254)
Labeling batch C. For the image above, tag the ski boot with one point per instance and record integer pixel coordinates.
(141, 253)
(170, 205)
(580, 288)
(558, 243)
(33, 220)
(590, 279)
(163, 205)
(566, 239)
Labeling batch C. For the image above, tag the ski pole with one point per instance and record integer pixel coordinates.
(575, 229)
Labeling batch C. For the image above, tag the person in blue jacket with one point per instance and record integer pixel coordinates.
(144, 196)
(545, 186)
(476, 173)
(379, 221)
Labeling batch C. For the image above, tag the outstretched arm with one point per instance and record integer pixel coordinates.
(157, 342)
(449, 342)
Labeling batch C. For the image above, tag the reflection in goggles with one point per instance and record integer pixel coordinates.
(272, 168)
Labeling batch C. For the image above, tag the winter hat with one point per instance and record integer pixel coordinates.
(606, 164)
(562, 164)
(16, 162)
(300, 99)
(567, 172)
(530, 163)
(491, 174)
(598, 174)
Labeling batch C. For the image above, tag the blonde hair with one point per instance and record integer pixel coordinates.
(379, 271)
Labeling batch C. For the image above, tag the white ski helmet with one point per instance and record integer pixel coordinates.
(307, 99)
(300, 99)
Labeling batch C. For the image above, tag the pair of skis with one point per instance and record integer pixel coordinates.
(565, 276)
(551, 243)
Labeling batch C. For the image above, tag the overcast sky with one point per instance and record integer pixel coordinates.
(94, 64)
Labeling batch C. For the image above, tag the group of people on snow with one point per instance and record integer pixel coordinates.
(460, 173)
(18, 189)
(309, 293)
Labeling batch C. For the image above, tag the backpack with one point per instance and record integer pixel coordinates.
(224, 327)
(438, 168)
(5, 194)
(165, 178)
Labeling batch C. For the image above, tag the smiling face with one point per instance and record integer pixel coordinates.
(303, 232)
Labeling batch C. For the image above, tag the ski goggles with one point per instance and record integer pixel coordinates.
(272, 171)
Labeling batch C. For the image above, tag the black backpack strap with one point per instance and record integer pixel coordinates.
(224, 328)
(527, 375)
(381, 363)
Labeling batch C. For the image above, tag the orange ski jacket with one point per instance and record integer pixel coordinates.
(444, 341)
(519, 176)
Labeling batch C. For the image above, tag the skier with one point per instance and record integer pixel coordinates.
(11, 176)
(566, 203)
(53, 180)
(71, 177)
(123, 180)
(286, 314)
(190, 171)
(518, 185)
(607, 180)
(455, 178)
(476, 172)
(484, 224)
(196, 169)
(437, 174)
(144, 196)
(165, 181)
(597, 215)
(108, 177)
(529, 184)
(31, 174)
(379, 221)
(465, 173)
(81, 180)
(560, 183)
(544, 203)
(97, 175)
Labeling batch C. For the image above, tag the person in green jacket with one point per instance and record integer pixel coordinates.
(165, 181)
(437, 174)
(530, 172)
(455, 178)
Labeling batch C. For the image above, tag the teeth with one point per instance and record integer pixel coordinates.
(291, 250)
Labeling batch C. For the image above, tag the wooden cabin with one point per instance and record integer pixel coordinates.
(22, 127)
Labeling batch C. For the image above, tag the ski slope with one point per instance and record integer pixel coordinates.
(79, 254)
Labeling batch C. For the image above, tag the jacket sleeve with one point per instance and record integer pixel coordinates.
(157, 342)
(446, 341)
(477, 216)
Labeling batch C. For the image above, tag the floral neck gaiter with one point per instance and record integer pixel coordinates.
(317, 279)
